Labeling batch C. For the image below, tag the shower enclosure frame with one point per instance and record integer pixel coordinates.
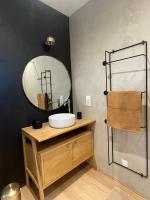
(108, 67)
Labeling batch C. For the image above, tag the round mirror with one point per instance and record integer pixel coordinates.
(46, 83)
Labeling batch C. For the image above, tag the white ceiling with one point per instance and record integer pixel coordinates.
(67, 7)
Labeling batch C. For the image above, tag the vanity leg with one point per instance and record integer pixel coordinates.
(93, 158)
(25, 159)
(94, 163)
(41, 191)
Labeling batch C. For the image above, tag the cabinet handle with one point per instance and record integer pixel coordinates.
(75, 142)
(68, 145)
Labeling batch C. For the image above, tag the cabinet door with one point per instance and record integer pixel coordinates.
(55, 163)
(83, 148)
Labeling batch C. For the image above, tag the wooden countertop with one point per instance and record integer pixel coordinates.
(48, 132)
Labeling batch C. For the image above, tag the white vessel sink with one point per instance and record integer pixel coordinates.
(62, 120)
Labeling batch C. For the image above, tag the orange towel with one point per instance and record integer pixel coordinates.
(124, 110)
(42, 101)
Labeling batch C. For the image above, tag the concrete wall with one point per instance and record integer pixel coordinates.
(105, 25)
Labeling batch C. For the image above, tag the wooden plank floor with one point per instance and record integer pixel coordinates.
(84, 183)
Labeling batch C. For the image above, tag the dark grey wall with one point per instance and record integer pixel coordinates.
(23, 26)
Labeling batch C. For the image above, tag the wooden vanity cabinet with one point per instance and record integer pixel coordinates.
(56, 152)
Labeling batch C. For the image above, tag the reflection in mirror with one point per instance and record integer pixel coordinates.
(46, 83)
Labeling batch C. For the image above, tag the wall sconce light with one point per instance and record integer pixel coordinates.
(49, 41)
